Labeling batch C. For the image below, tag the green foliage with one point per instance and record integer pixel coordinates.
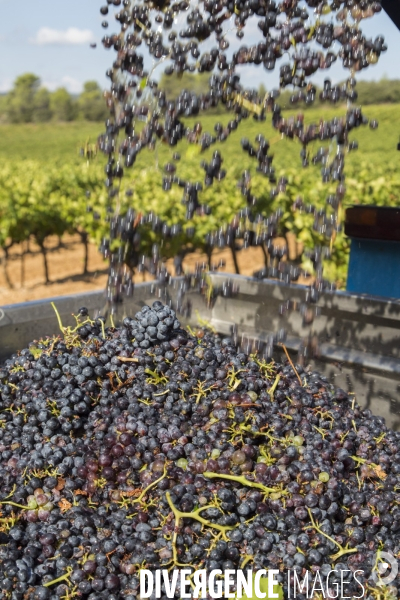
(174, 84)
(91, 86)
(47, 196)
(3, 108)
(20, 104)
(91, 102)
(48, 143)
(385, 91)
(41, 106)
(27, 102)
(62, 105)
(262, 90)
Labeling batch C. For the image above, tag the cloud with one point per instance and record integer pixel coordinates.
(73, 85)
(5, 84)
(70, 37)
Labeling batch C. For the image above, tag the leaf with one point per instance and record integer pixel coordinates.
(60, 484)
(143, 83)
(380, 472)
(130, 493)
(64, 505)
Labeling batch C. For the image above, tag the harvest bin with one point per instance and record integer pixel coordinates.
(359, 335)
(374, 266)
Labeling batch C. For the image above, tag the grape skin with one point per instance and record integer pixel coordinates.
(171, 417)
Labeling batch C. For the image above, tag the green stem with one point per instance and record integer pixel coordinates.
(81, 324)
(271, 391)
(241, 479)
(15, 504)
(58, 318)
(364, 461)
(62, 578)
(11, 493)
(247, 558)
(342, 551)
(194, 515)
(161, 394)
(145, 491)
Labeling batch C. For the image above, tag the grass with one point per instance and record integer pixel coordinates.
(375, 147)
(373, 173)
(46, 141)
(61, 141)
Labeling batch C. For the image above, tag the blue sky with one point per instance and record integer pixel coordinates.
(51, 38)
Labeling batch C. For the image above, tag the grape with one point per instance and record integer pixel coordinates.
(144, 418)
(299, 45)
(145, 446)
(156, 441)
(298, 440)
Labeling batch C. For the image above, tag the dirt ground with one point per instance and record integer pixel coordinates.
(66, 265)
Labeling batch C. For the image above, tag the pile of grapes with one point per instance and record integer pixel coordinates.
(150, 446)
(175, 38)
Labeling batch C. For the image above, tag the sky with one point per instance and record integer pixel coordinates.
(52, 38)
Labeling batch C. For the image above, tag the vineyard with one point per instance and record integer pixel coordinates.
(47, 189)
(131, 443)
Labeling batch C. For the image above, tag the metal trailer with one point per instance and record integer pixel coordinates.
(359, 335)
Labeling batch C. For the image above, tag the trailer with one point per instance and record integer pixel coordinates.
(359, 335)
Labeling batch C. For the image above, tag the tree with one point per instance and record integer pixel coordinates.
(3, 107)
(262, 90)
(62, 105)
(91, 102)
(173, 85)
(20, 101)
(41, 106)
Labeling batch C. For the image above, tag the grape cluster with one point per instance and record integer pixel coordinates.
(299, 39)
(213, 169)
(262, 156)
(152, 325)
(176, 449)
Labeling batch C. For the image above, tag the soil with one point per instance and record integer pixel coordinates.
(65, 262)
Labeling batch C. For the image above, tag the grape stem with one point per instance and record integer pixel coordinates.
(145, 491)
(291, 363)
(246, 559)
(61, 326)
(241, 479)
(151, 485)
(12, 492)
(342, 551)
(15, 504)
(64, 577)
(272, 389)
(179, 515)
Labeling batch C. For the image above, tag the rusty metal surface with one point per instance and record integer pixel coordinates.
(359, 335)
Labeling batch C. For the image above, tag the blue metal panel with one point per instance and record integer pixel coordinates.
(374, 268)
